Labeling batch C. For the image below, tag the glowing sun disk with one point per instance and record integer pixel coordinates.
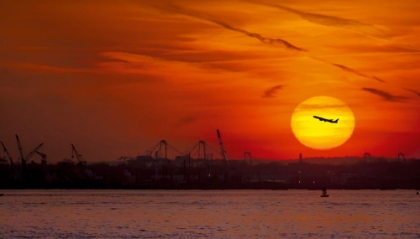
(317, 134)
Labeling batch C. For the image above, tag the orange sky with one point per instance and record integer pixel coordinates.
(115, 77)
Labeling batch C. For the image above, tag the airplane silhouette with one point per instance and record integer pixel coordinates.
(326, 120)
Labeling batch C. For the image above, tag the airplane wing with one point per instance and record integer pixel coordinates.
(325, 120)
(320, 118)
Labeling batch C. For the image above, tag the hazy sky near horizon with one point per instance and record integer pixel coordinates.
(116, 77)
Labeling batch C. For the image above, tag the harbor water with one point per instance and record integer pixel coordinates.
(209, 214)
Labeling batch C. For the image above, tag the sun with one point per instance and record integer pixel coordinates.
(317, 134)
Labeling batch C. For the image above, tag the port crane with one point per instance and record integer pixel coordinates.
(222, 149)
(23, 158)
(78, 156)
(162, 150)
(247, 155)
(202, 150)
(6, 152)
(401, 156)
(43, 156)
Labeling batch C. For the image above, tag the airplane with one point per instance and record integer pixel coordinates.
(326, 120)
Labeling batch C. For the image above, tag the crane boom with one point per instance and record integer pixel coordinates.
(78, 156)
(43, 156)
(22, 158)
(31, 154)
(7, 154)
(222, 149)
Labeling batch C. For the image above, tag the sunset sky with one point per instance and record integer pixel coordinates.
(116, 77)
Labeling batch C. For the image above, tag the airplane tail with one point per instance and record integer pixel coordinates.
(336, 121)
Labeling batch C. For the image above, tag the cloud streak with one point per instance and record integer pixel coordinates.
(265, 40)
(332, 21)
(385, 95)
(187, 120)
(277, 41)
(413, 91)
(270, 93)
(348, 69)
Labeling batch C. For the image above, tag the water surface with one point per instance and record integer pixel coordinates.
(209, 214)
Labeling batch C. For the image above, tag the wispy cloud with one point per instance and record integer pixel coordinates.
(348, 69)
(265, 40)
(183, 121)
(413, 91)
(270, 93)
(275, 41)
(385, 95)
(326, 20)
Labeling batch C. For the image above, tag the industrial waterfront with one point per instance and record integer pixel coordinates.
(203, 167)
